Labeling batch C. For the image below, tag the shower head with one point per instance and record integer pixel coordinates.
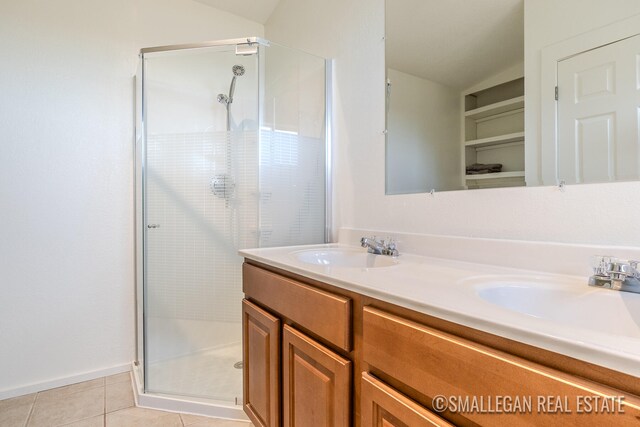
(223, 99)
(238, 70)
(227, 100)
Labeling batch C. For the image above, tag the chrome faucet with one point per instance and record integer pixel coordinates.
(379, 247)
(613, 273)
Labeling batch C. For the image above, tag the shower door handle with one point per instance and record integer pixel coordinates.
(153, 226)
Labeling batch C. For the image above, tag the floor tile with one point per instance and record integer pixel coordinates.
(220, 423)
(60, 410)
(119, 396)
(84, 405)
(27, 399)
(142, 417)
(118, 378)
(62, 392)
(197, 421)
(89, 422)
(15, 411)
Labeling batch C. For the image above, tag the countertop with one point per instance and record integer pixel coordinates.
(559, 313)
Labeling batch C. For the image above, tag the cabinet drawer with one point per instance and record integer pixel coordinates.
(435, 363)
(320, 312)
(384, 406)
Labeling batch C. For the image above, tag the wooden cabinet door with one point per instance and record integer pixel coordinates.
(261, 356)
(383, 406)
(316, 385)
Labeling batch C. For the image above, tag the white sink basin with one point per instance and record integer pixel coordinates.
(567, 303)
(343, 258)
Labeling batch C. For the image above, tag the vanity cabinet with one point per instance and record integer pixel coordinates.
(293, 373)
(319, 355)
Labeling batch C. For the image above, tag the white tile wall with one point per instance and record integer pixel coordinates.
(292, 177)
(193, 269)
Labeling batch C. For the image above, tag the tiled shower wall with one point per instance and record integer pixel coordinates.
(192, 263)
(193, 268)
(275, 176)
(292, 194)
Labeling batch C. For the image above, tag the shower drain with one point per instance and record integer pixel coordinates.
(238, 365)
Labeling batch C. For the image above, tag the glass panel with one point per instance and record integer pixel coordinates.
(201, 112)
(292, 148)
(219, 174)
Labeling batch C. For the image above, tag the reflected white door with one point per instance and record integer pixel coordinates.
(598, 111)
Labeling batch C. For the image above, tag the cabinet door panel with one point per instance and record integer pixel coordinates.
(316, 383)
(261, 353)
(382, 406)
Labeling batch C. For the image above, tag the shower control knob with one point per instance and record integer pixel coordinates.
(153, 226)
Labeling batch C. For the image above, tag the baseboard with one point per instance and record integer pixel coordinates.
(60, 382)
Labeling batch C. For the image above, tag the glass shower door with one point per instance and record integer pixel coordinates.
(200, 188)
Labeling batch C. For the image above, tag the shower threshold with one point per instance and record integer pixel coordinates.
(190, 405)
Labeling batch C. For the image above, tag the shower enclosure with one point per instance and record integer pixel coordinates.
(231, 152)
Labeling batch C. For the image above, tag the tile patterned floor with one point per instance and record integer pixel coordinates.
(104, 402)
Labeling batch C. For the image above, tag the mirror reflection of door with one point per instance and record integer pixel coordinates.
(598, 114)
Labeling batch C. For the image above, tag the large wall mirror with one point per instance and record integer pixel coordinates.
(455, 102)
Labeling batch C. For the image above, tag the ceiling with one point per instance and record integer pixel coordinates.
(254, 10)
(455, 42)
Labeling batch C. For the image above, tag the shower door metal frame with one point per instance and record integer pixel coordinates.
(140, 235)
(228, 42)
(140, 165)
(328, 166)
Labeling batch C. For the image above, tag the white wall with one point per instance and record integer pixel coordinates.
(66, 176)
(423, 144)
(351, 33)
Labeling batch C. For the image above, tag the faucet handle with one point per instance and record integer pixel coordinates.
(624, 268)
(619, 270)
(601, 264)
(391, 247)
(391, 244)
(635, 272)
